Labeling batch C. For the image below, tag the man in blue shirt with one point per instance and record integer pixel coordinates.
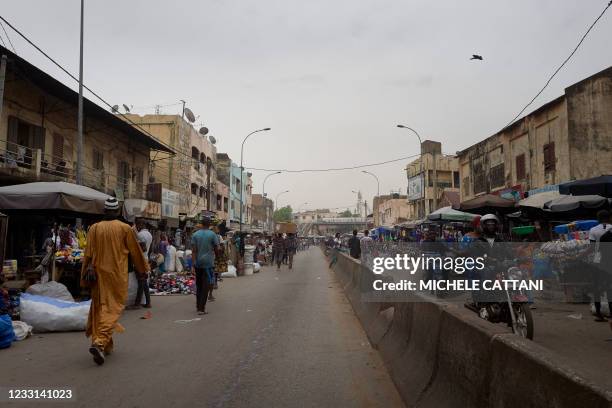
(204, 245)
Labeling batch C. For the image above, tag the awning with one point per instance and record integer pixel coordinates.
(488, 203)
(450, 214)
(137, 208)
(601, 186)
(570, 203)
(52, 196)
(538, 200)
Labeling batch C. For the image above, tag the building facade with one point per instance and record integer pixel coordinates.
(263, 212)
(569, 138)
(222, 201)
(38, 125)
(440, 173)
(394, 211)
(229, 173)
(192, 171)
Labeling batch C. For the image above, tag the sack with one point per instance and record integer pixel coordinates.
(132, 288)
(256, 267)
(22, 330)
(7, 335)
(47, 314)
(51, 289)
(231, 272)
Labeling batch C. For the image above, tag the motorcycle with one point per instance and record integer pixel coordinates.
(512, 307)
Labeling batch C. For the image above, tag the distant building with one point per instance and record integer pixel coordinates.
(263, 212)
(568, 138)
(426, 189)
(394, 211)
(229, 174)
(222, 201)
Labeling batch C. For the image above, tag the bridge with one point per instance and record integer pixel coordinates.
(331, 226)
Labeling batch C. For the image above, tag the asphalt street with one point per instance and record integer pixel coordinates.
(273, 339)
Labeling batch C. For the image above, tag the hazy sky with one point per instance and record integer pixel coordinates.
(332, 78)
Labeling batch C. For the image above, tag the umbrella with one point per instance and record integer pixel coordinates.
(488, 203)
(601, 186)
(538, 200)
(52, 196)
(570, 203)
(450, 214)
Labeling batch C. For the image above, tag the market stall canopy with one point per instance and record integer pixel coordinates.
(569, 203)
(450, 214)
(52, 196)
(538, 200)
(488, 203)
(601, 186)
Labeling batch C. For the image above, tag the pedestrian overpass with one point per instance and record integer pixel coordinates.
(331, 226)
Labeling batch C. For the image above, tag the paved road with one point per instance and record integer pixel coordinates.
(273, 339)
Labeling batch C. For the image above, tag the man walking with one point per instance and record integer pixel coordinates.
(105, 271)
(278, 250)
(204, 245)
(291, 244)
(145, 238)
(354, 246)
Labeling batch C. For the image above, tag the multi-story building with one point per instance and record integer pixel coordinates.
(394, 211)
(376, 204)
(427, 184)
(568, 138)
(222, 201)
(229, 173)
(263, 211)
(39, 142)
(192, 171)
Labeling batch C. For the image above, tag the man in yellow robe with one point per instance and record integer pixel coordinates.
(109, 243)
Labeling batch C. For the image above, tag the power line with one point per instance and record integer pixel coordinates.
(8, 38)
(560, 66)
(3, 43)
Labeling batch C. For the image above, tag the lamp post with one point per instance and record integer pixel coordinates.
(278, 195)
(242, 170)
(421, 164)
(263, 194)
(377, 181)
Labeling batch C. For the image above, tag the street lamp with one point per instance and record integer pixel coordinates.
(377, 181)
(242, 170)
(421, 163)
(263, 189)
(279, 194)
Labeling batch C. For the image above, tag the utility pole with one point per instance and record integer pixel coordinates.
(79, 167)
(2, 78)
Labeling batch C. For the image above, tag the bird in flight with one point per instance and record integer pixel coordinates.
(476, 57)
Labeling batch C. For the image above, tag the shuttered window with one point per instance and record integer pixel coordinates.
(58, 148)
(520, 167)
(549, 157)
(98, 160)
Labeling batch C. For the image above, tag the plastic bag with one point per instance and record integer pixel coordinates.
(51, 289)
(256, 267)
(7, 335)
(231, 272)
(46, 314)
(22, 330)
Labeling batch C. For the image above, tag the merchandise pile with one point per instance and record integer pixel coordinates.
(69, 255)
(173, 284)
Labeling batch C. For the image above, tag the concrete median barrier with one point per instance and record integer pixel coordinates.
(442, 355)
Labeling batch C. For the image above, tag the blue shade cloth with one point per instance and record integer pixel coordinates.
(7, 335)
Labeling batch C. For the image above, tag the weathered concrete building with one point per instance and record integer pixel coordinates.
(192, 171)
(569, 138)
(222, 201)
(230, 175)
(263, 211)
(394, 211)
(440, 173)
(39, 143)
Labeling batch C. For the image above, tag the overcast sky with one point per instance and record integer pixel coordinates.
(331, 78)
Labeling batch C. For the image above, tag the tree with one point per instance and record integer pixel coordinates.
(284, 214)
(346, 213)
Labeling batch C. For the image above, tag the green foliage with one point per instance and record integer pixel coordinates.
(346, 213)
(284, 214)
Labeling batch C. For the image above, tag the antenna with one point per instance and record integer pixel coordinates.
(190, 116)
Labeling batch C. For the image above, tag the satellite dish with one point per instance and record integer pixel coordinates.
(249, 174)
(203, 131)
(190, 116)
(115, 109)
(212, 139)
(127, 109)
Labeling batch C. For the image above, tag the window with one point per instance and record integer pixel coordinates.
(139, 181)
(456, 179)
(237, 184)
(195, 156)
(58, 148)
(225, 201)
(549, 157)
(23, 136)
(521, 173)
(123, 176)
(203, 158)
(497, 176)
(98, 159)
(202, 191)
(233, 206)
(194, 189)
(219, 203)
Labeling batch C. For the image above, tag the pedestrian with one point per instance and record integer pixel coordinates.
(354, 246)
(163, 250)
(220, 265)
(599, 273)
(204, 245)
(291, 244)
(278, 250)
(145, 239)
(365, 242)
(105, 271)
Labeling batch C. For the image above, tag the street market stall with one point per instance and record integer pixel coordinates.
(488, 203)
